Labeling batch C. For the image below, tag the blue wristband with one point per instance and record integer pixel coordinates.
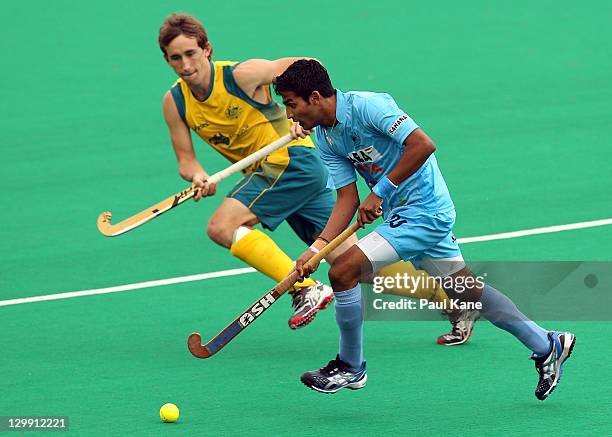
(384, 188)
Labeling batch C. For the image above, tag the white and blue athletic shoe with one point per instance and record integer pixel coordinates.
(307, 301)
(335, 376)
(550, 366)
(463, 325)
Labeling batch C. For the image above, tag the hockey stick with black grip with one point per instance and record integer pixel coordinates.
(262, 304)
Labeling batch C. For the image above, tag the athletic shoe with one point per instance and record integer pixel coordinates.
(307, 301)
(335, 376)
(550, 366)
(463, 325)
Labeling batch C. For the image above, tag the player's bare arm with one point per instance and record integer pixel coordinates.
(417, 148)
(189, 167)
(344, 210)
(255, 75)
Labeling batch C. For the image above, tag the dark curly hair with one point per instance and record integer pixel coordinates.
(303, 77)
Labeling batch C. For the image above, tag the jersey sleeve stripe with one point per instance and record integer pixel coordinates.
(179, 100)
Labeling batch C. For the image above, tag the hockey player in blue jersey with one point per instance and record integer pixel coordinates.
(369, 134)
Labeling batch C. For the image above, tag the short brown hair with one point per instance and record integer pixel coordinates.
(181, 24)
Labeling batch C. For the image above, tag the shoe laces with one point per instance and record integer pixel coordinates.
(298, 298)
(456, 329)
(545, 366)
(334, 366)
(543, 375)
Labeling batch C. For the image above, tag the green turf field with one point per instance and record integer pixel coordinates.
(517, 98)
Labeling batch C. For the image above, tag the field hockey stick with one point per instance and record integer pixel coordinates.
(110, 230)
(262, 304)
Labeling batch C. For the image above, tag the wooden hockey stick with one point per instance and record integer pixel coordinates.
(110, 230)
(243, 320)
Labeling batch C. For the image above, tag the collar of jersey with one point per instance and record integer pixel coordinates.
(210, 86)
(341, 106)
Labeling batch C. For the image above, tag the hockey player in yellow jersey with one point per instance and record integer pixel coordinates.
(229, 105)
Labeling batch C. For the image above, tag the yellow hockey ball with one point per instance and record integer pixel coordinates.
(169, 413)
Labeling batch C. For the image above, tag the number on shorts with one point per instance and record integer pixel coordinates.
(395, 220)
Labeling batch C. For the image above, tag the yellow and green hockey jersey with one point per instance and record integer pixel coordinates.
(232, 122)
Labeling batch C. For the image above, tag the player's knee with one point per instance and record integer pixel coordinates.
(343, 274)
(473, 294)
(219, 232)
(468, 288)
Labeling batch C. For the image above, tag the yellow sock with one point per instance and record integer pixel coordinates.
(261, 252)
(427, 289)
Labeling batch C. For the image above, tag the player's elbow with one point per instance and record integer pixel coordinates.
(420, 143)
(428, 146)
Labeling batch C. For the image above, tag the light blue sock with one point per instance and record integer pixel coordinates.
(349, 317)
(502, 312)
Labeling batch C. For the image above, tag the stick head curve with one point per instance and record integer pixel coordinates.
(194, 343)
(104, 223)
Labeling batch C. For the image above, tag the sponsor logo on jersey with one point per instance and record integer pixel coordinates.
(243, 130)
(199, 127)
(220, 139)
(257, 309)
(397, 123)
(233, 112)
(371, 168)
(368, 154)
